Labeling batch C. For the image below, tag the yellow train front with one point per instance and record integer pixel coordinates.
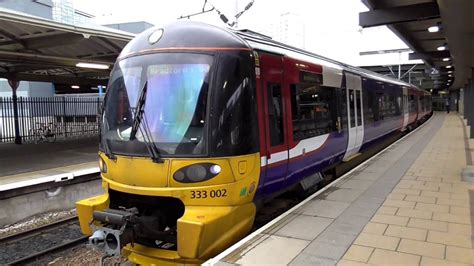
(179, 167)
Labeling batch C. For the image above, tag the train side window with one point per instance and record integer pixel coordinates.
(313, 110)
(275, 114)
(373, 106)
(351, 108)
(342, 108)
(367, 108)
(381, 106)
(399, 105)
(412, 104)
(359, 109)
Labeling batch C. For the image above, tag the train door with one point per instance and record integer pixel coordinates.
(276, 137)
(405, 108)
(354, 114)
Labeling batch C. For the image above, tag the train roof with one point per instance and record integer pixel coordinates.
(186, 35)
(266, 43)
(191, 34)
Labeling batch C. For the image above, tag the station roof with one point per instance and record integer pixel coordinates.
(410, 20)
(410, 73)
(38, 49)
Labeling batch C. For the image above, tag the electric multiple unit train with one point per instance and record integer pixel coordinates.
(201, 124)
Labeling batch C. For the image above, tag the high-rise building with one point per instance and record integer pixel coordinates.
(58, 10)
(289, 29)
(63, 11)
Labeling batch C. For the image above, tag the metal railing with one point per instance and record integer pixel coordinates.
(65, 116)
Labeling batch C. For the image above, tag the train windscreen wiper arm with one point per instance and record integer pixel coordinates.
(139, 111)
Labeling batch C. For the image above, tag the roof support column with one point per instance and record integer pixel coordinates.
(14, 85)
(470, 101)
(465, 94)
(467, 106)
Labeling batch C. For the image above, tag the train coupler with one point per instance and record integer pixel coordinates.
(118, 232)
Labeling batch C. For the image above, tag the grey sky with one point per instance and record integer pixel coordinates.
(331, 26)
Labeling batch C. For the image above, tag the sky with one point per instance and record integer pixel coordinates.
(330, 26)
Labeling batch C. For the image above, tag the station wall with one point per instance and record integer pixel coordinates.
(27, 89)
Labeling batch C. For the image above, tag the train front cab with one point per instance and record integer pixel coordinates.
(190, 194)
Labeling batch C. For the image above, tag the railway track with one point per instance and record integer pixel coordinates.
(29, 246)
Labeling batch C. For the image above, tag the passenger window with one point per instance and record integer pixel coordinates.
(275, 115)
(381, 106)
(313, 110)
(343, 108)
(359, 109)
(371, 114)
(352, 108)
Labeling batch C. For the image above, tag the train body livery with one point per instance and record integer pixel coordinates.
(202, 124)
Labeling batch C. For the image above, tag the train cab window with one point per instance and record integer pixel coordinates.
(275, 114)
(313, 110)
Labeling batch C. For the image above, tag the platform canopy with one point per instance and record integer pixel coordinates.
(38, 49)
(410, 21)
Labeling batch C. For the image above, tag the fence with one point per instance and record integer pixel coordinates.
(66, 116)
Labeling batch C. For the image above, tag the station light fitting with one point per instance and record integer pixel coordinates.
(450, 75)
(449, 66)
(446, 59)
(75, 87)
(450, 71)
(92, 65)
(433, 29)
(441, 48)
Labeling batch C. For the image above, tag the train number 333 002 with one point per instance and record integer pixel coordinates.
(203, 194)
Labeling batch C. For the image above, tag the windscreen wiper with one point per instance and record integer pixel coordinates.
(139, 111)
(150, 144)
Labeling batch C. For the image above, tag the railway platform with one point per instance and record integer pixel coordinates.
(407, 205)
(32, 164)
(19, 159)
(36, 178)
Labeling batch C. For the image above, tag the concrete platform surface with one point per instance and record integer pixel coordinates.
(407, 206)
(57, 174)
(19, 159)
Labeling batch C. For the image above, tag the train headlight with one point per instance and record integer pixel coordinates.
(197, 173)
(215, 169)
(102, 165)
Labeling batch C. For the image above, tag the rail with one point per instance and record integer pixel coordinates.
(38, 235)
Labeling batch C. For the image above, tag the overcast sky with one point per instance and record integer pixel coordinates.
(331, 26)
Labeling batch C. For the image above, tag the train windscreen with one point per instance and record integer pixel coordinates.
(172, 112)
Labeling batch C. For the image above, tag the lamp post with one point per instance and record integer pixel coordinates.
(14, 85)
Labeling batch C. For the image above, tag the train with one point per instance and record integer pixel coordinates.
(202, 125)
